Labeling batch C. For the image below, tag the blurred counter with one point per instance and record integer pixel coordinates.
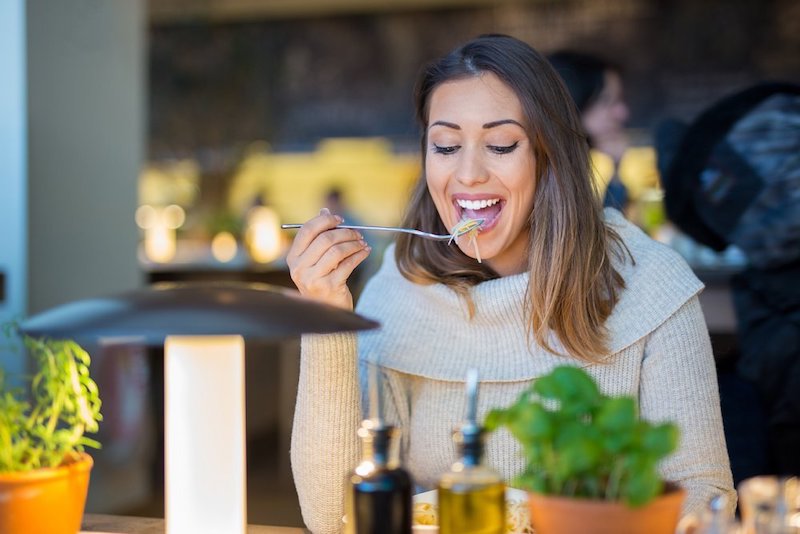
(144, 525)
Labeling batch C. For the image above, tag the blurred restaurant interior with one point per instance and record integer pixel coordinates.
(168, 140)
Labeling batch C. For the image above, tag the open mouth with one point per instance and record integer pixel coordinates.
(487, 209)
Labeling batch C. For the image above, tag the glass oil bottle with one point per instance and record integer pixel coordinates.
(471, 494)
(378, 493)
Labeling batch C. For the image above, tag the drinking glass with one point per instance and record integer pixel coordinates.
(770, 505)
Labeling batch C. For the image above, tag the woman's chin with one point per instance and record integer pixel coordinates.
(467, 247)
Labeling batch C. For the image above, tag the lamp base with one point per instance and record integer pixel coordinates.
(204, 435)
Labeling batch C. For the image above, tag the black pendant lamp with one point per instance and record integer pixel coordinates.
(203, 327)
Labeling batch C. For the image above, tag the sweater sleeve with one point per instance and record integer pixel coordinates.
(679, 383)
(327, 414)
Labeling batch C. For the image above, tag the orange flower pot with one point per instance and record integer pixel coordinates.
(45, 501)
(565, 515)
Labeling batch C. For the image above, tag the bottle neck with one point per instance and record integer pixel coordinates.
(469, 440)
(377, 446)
(471, 456)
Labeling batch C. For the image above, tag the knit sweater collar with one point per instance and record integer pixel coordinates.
(426, 329)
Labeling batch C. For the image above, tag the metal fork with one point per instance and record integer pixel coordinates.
(420, 233)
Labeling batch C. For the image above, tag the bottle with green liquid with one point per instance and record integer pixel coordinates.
(471, 494)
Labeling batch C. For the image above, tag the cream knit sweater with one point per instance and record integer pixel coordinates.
(660, 352)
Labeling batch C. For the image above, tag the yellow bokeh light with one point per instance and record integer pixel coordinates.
(159, 243)
(146, 216)
(263, 234)
(174, 216)
(224, 247)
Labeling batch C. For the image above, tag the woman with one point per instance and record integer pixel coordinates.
(596, 87)
(560, 282)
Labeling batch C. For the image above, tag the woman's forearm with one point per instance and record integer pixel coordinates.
(327, 414)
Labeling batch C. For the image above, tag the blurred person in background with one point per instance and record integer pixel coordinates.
(334, 201)
(732, 177)
(597, 88)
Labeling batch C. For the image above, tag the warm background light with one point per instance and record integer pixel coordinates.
(159, 244)
(375, 178)
(145, 216)
(174, 216)
(170, 182)
(224, 247)
(159, 225)
(263, 234)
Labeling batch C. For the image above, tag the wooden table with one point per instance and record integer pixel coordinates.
(118, 524)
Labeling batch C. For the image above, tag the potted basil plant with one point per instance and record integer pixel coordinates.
(591, 462)
(44, 471)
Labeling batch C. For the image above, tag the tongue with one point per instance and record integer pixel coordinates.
(488, 213)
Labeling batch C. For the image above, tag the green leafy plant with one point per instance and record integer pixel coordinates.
(578, 442)
(44, 424)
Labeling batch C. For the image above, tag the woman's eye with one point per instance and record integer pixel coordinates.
(504, 149)
(444, 149)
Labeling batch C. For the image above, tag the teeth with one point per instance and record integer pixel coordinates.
(477, 204)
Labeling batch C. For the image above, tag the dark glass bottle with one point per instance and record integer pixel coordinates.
(378, 499)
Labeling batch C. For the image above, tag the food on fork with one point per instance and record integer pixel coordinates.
(468, 227)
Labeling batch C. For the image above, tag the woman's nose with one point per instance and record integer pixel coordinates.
(471, 168)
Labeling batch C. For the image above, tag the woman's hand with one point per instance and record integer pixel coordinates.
(322, 258)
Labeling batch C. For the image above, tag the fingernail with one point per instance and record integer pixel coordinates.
(324, 211)
(338, 218)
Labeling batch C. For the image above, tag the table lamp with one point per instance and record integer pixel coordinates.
(203, 327)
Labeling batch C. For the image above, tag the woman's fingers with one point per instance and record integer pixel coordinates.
(339, 261)
(331, 247)
(332, 286)
(311, 229)
(322, 248)
(297, 255)
(322, 258)
(348, 265)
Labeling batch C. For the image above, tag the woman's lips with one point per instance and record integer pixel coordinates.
(488, 209)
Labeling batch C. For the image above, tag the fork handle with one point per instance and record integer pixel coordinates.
(379, 229)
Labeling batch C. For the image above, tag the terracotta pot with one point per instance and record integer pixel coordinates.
(45, 501)
(564, 515)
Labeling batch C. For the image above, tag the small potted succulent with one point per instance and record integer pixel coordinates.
(44, 471)
(590, 460)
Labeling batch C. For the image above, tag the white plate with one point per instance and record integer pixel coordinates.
(432, 497)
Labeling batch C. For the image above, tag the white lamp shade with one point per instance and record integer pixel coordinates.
(204, 444)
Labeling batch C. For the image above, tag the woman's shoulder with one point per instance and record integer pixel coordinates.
(642, 247)
(658, 282)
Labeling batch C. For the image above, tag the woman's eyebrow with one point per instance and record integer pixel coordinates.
(487, 125)
(500, 122)
(445, 124)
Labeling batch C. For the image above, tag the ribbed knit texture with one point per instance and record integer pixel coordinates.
(661, 354)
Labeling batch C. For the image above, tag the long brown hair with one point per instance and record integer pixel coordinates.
(573, 285)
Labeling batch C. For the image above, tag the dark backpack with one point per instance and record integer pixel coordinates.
(733, 175)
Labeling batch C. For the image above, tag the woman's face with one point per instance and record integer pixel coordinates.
(480, 164)
(606, 117)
